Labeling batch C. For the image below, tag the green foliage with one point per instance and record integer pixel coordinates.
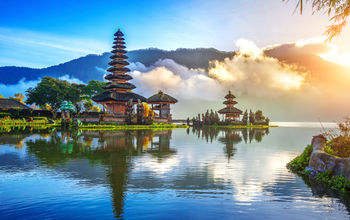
(338, 183)
(299, 163)
(50, 91)
(93, 88)
(330, 150)
(40, 118)
(88, 105)
(259, 116)
(4, 114)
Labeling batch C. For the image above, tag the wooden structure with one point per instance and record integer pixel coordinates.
(118, 91)
(12, 104)
(161, 102)
(230, 112)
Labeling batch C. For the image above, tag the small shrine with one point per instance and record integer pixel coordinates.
(230, 112)
(161, 102)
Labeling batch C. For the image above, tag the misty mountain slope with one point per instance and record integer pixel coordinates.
(322, 72)
(91, 67)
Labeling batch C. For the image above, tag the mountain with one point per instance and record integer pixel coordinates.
(323, 73)
(91, 67)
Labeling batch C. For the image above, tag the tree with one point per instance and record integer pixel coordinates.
(2, 97)
(88, 105)
(50, 91)
(245, 118)
(18, 97)
(339, 10)
(93, 88)
(259, 116)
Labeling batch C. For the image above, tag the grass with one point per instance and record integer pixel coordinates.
(21, 122)
(43, 123)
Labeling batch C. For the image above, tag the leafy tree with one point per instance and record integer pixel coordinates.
(2, 97)
(88, 105)
(339, 10)
(93, 88)
(50, 91)
(259, 116)
(18, 97)
(245, 117)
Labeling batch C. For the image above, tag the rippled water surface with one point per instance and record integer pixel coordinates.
(162, 174)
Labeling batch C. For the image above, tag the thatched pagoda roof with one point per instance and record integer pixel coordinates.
(118, 51)
(117, 96)
(115, 69)
(118, 33)
(230, 110)
(119, 47)
(161, 97)
(118, 62)
(116, 56)
(230, 95)
(116, 76)
(119, 86)
(12, 104)
(230, 102)
(118, 41)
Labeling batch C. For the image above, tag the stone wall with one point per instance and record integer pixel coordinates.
(321, 161)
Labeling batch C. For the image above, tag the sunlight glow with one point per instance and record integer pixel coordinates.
(335, 57)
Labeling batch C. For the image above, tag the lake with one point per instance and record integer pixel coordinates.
(160, 174)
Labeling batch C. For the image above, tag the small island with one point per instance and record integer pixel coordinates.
(231, 116)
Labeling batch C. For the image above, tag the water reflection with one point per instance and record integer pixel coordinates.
(229, 136)
(226, 171)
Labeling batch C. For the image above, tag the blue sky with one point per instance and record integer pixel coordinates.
(39, 33)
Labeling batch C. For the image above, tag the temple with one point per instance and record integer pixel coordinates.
(161, 102)
(118, 91)
(230, 112)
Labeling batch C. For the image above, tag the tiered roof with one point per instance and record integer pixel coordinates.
(161, 97)
(118, 89)
(230, 105)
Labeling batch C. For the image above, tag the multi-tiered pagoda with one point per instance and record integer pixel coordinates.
(118, 90)
(230, 112)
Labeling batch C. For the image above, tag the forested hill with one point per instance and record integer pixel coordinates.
(91, 67)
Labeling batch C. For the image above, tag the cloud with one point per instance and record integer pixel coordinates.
(175, 79)
(251, 72)
(8, 90)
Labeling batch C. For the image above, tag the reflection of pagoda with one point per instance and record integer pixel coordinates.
(230, 111)
(118, 90)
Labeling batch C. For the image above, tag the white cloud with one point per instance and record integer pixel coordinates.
(251, 72)
(175, 79)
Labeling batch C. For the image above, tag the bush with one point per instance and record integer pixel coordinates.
(39, 118)
(299, 163)
(4, 114)
(338, 183)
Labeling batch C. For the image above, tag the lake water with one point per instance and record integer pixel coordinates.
(162, 174)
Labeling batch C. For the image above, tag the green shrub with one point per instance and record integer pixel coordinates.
(4, 114)
(40, 118)
(338, 183)
(299, 163)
